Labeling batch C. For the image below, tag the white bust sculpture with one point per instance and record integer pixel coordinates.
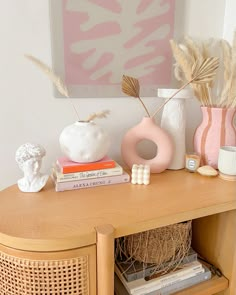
(29, 158)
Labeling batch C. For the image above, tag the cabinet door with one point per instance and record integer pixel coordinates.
(63, 272)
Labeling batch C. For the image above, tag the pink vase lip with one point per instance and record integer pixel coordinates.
(146, 118)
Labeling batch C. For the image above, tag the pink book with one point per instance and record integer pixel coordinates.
(86, 183)
(67, 166)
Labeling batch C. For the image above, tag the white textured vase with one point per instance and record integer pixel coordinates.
(84, 142)
(174, 122)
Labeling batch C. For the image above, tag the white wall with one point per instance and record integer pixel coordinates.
(30, 113)
(229, 20)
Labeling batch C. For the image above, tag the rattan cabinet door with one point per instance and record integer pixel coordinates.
(71, 272)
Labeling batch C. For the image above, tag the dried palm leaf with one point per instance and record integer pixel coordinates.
(130, 86)
(192, 53)
(99, 115)
(202, 73)
(57, 81)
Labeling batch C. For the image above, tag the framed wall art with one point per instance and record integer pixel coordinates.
(95, 42)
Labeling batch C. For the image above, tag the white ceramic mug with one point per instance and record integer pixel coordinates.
(227, 160)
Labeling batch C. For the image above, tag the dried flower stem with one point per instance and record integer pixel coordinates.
(160, 108)
(130, 86)
(77, 114)
(57, 81)
(202, 73)
(144, 107)
(99, 115)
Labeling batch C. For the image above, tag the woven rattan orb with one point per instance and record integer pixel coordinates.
(20, 276)
(159, 245)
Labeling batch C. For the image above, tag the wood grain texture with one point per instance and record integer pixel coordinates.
(232, 284)
(210, 287)
(51, 221)
(214, 238)
(105, 259)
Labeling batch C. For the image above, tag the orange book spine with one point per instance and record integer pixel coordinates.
(88, 166)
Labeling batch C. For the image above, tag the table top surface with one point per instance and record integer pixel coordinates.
(50, 220)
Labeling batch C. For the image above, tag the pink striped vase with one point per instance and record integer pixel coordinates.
(216, 130)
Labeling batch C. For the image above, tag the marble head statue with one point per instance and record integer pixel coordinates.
(29, 158)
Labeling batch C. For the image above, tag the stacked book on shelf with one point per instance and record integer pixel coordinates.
(69, 175)
(138, 279)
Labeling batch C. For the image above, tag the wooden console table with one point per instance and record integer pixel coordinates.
(64, 242)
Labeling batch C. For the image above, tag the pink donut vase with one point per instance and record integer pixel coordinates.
(147, 129)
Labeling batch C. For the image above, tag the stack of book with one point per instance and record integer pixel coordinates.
(69, 175)
(133, 278)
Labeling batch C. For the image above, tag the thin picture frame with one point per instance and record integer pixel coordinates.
(152, 60)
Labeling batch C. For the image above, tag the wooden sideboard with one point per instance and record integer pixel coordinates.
(60, 229)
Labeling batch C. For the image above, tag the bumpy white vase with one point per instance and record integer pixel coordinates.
(174, 122)
(84, 142)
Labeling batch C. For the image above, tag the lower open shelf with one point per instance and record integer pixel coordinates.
(213, 286)
(210, 287)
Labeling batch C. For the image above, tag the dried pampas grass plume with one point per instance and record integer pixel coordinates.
(202, 73)
(57, 81)
(61, 87)
(184, 60)
(130, 86)
(195, 50)
(99, 115)
(227, 58)
(186, 54)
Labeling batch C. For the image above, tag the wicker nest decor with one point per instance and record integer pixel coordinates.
(165, 246)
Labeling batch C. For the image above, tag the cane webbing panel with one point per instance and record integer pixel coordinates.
(43, 277)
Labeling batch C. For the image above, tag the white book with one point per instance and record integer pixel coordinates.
(143, 286)
(171, 283)
(86, 183)
(61, 177)
(178, 286)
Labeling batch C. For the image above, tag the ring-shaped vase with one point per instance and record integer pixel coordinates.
(147, 129)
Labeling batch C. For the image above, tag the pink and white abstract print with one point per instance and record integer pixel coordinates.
(104, 39)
